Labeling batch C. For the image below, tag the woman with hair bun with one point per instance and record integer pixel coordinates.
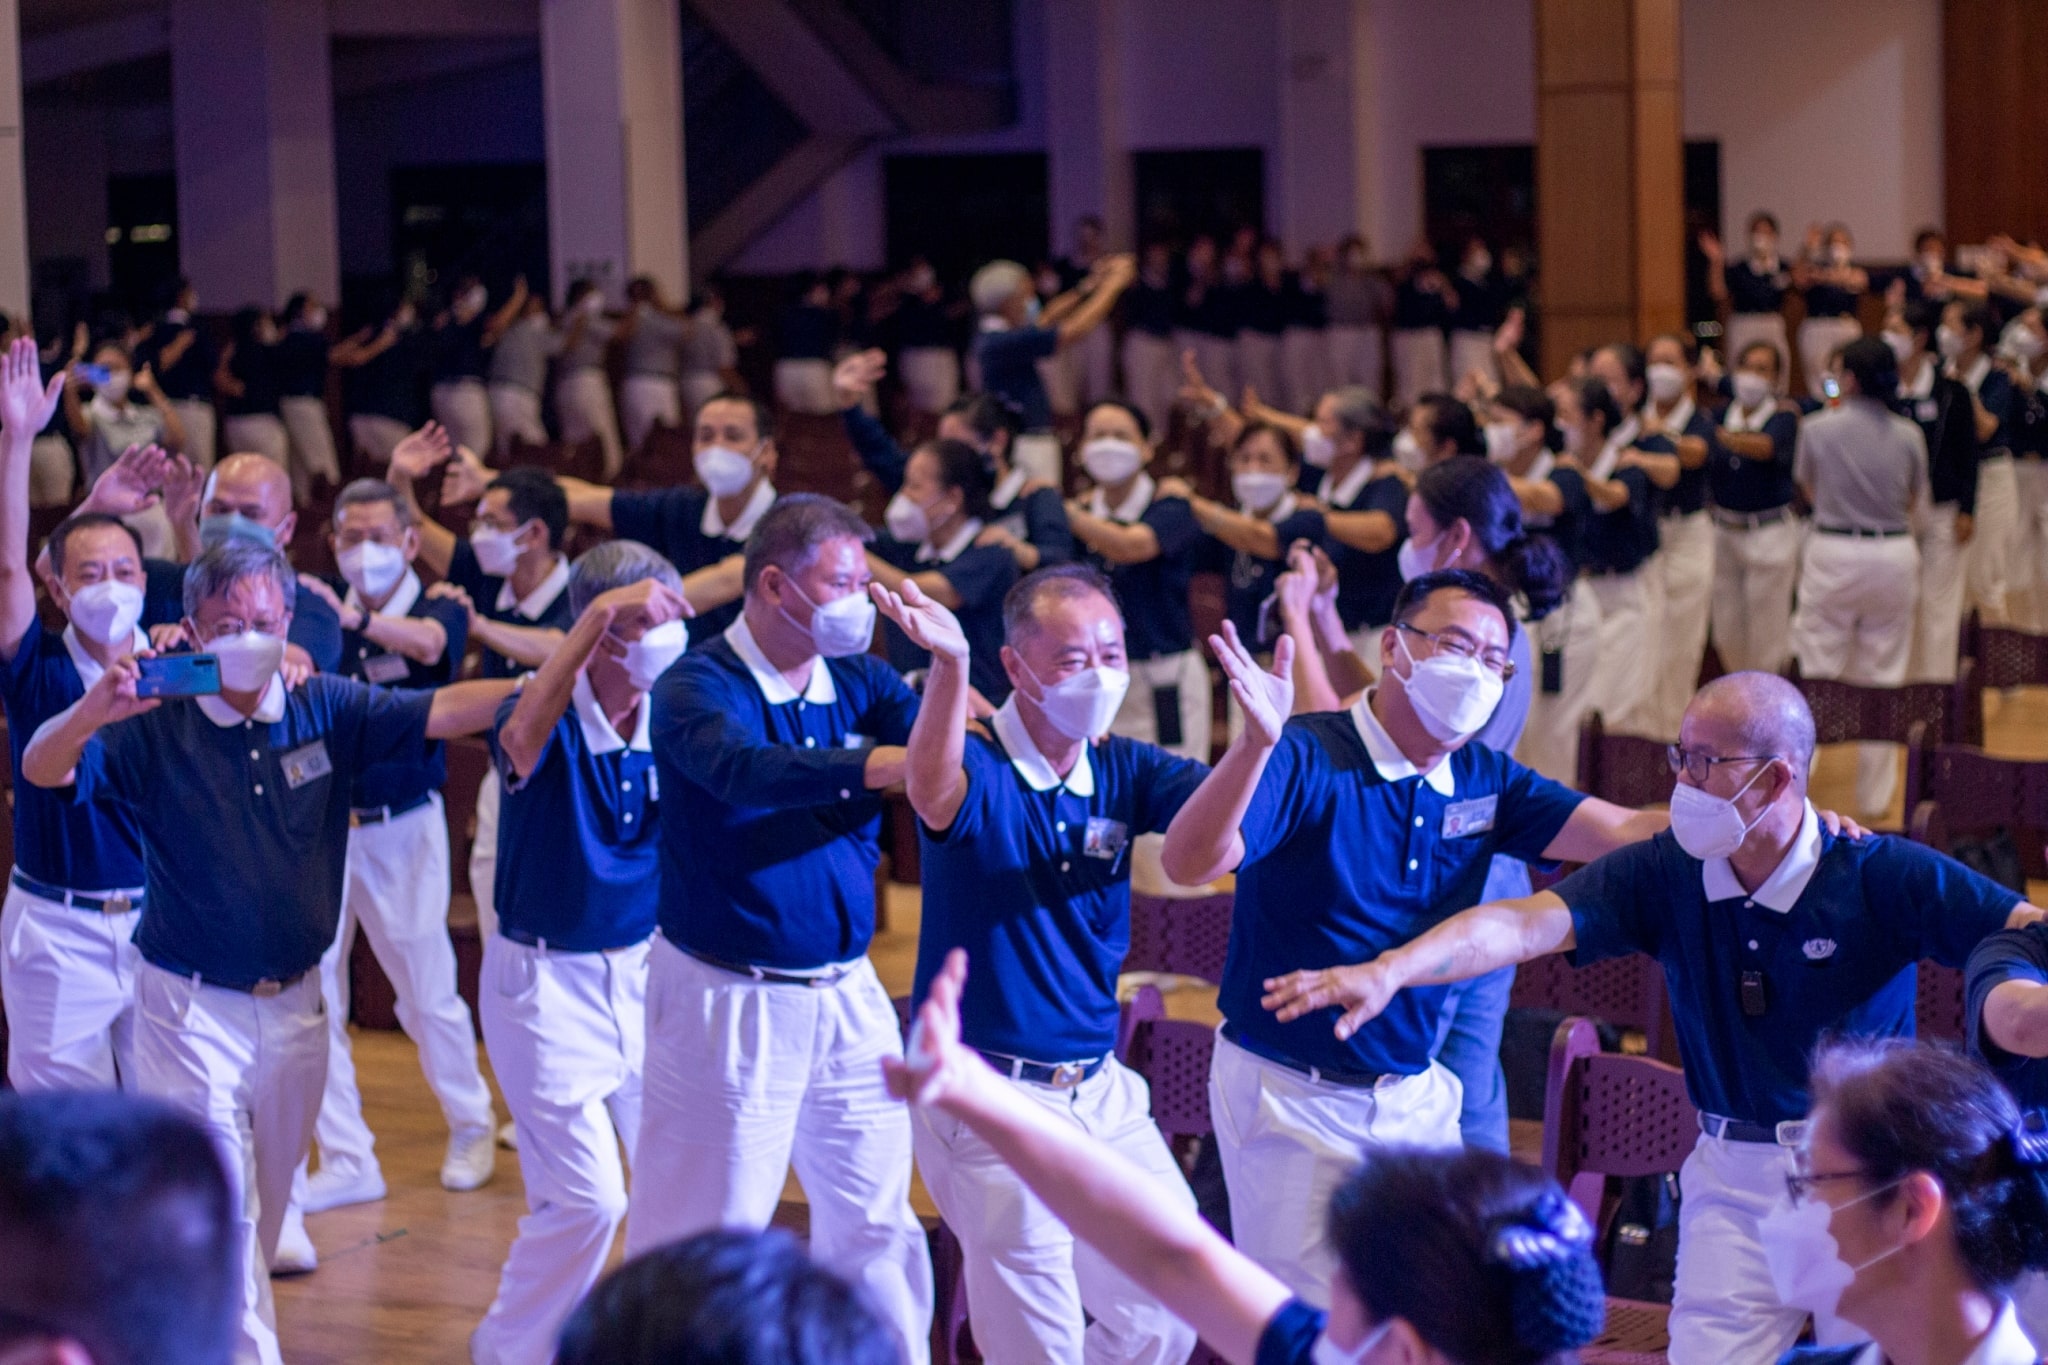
(1922, 1196)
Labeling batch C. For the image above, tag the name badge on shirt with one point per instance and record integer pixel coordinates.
(1927, 409)
(386, 668)
(305, 763)
(1469, 817)
(1104, 838)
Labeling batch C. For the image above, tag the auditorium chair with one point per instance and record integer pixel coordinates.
(1180, 937)
(664, 460)
(2005, 658)
(1627, 992)
(572, 459)
(1628, 770)
(1918, 715)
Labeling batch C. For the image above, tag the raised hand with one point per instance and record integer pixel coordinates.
(319, 589)
(26, 403)
(647, 600)
(450, 591)
(416, 456)
(132, 483)
(1195, 390)
(856, 376)
(167, 637)
(183, 482)
(930, 626)
(1361, 992)
(934, 1062)
(1508, 336)
(465, 479)
(295, 667)
(145, 382)
(1710, 246)
(1296, 587)
(1266, 698)
(112, 699)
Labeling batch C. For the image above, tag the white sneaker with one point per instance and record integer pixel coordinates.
(339, 1186)
(472, 1155)
(508, 1135)
(295, 1254)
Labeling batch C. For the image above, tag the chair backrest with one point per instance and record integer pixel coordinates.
(813, 455)
(1968, 793)
(1182, 937)
(1844, 712)
(2008, 658)
(1173, 1057)
(664, 459)
(469, 759)
(1628, 770)
(1607, 1114)
(575, 459)
(1938, 1007)
(1627, 992)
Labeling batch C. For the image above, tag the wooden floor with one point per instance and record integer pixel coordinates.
(407, 1278)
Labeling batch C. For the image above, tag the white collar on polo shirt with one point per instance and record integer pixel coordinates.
(1621, 439)
(1781, 890)
(1031, 765)
(1132, 507)
(1386, 755)
(929, 553)
(402, 597)
(270, 710)
(599, 736)
(1921, 386)
(535, 604)
(1345, 493)
(1680, 416)
(89, 669)
(2005, 1344)
(1006, 491)
(818, 692)
(713, 523)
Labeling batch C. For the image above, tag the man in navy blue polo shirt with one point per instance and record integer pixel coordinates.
(67, 960)
(1771, 932)
(766, 1024)
(2005, 1001)
(243, 803)
(1027, 864)
(564, 983)
(1013, 336)
(1352, 832)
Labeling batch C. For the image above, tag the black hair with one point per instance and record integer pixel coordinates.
(1144, 424)
(764, 416)
(1597, 400)
(1763, 218)
(1359, 409)
(1898, 1107)
(1471, 489)
(531, 492)
(640, 289)
(85, 521)
(963, 467)
(1688, 346)
(1527, 402)
(989, 414)
(1921, 315)
(578, 287)
(1927, 234)
(1875, 367)
(116, 1230)
(1632, 363)
(1450, 419)
(726, 1298)
(1414, 596)
(1290, 449)
(295, 307)
(1982, 318)
(1059, 582)
(789, 533)
(1486, 1258)
(243, 325)
(1777, 360)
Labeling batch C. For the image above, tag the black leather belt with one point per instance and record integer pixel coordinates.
(1788, 1134)
(262, 990)
(1860, 534)
(377, 815)
(1058, 1075)
(100, 903)
(830, 977)
(1750, 521)
(1352, 1080)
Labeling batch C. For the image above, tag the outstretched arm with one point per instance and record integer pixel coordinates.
(25, 405)
(1205, 839)
(546, 695)
(467, 708)
(934, 775)
(51, 759)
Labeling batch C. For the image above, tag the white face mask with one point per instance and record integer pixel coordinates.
(1082, 705)
(841, 627)
(1503, 439)
(1408, 450)
(725, 471)
(106, 612)
(592, 303)
(1328, 1352)
(247, 661)
(907, 521)
(2022, 343)
(1317, 447)
(1751, 389)
(1258, 489)
(474, 300)
(1666, 382)
(115, 390)
(1840, 254)
(648, 657)
(1764, 247)
(1805, 1261)
(1708, 826)
(1949, 341)
(1415, 560)
(1901, 344)
(372, 569)
(1453, 696)
(314, 319)
(1110, 460)
(496, 551)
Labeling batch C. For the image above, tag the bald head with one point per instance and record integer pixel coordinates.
(1755, 713)
(255, 486)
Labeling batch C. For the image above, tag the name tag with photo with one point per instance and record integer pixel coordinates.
(385, 669)
(1104, 838)
(1462, 818)
(306, 763)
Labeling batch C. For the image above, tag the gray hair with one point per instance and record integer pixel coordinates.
(790, 533)
(1768, 714)
(615, 564)
(1358, 409)
(995, 284)
(228, 562)
(1058, 583)
(362, 492)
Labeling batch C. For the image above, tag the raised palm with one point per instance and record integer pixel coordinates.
(26, 402)
(928, 625)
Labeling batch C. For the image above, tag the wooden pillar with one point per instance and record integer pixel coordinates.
(1994, 121)
(1610, 173)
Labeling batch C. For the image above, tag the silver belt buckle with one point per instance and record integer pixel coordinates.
(1792, 1133)
(116, 904)
(264, 990)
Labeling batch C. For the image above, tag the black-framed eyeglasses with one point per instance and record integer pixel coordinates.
(1798, 1187)
(1464, 647)
(1699, 767)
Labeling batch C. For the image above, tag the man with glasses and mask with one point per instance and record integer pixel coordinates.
(1772, 930)
(766, 1024)
(1351, 832)
(243, 802)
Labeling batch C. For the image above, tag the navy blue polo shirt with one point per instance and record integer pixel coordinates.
(1348, 855)
(1154, 594)
(1249, 578)
(672, 520)
(1033, 879)
(1291, 1334)
(1149, 310)
(981, 574)
(486, 593)
(315, 627)
(191, 379)
(255, 364)
(1740, 484)
(769, 844)
(406, 779)
(1009, 369)
(2008, 955)
(302, 364)
(1417, 309)
(1367, 582)
(579, 854)
(1752, 291)
(1837, 959)
(1619, 541)
(78, 845)
(1826, 301)
(388, 384)
(245, 825)
(1689, 494)
(459, 350)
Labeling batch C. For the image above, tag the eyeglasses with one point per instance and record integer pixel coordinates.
(1463, 646)
(1699, 767)
(275, 625)
(1798, 1187)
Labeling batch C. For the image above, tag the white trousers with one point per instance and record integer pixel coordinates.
(248, 1069)
(515, 416)
(1938, 620)
(1854, 622)
(202, 429)
(567, 1033)
(67, 979)
(2030, 1300)
(464, 408)
(1090, 365)
(745, 1080)
(1550, 739)
(1627, 632)
(376, 436)
(805, 386)
(1472, 351)
(1258, 365)
(1688, 581)
(1418, 363)
(1996, 576)
(1818, 338)
(1755, 569)
(700, 387)
(583, 402)
(312, 440)
(2028, 598)
(1287, 1142)
(1358, 355)
(396, 887)
(1138, 717)
(1029, 1281)
(261, 433)
(1152, 375)
(1745, 329)
(1038, 454)
(483, 855)
(1724, 1310)
(931, 377)
(1304, 368)
(645, 399)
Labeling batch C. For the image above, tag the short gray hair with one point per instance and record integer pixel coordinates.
(228, 562)
(1769, 714)
(1057, 583)
(791, 532)
(995, 284)
(360, 492)
(1358, 409)
(616, 564)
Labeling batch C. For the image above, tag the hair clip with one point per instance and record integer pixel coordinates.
(1551, 1230)
(2030, 1138)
